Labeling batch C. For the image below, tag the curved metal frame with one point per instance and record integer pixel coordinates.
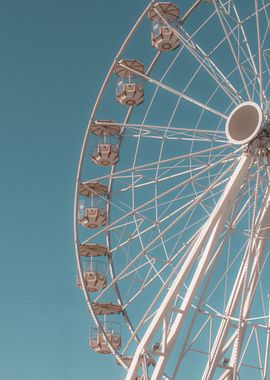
(142, 348)
(85, 142)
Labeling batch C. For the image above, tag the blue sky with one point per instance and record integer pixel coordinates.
(53, 61)
(54, 57)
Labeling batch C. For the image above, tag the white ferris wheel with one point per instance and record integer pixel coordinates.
(172, 203)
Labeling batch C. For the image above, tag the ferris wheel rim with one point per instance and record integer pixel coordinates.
(110, 187)
(83, 151)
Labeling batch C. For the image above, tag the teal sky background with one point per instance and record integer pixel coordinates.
(54, 56)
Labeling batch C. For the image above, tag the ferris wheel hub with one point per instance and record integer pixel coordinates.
(244, 123)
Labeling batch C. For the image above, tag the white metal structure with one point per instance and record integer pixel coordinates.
(180, 201)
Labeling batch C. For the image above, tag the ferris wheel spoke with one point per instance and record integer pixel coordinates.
(173, 136)
(225, 273)
(178, 196)
(142, 232)
(265, 37)
(175, 92)
(246, 63)
(233, 225)
(135, 168)
(185, 169)
(186, 346)
(241, 25)
(165, 193)
(143, 248)
(150, 309)
(265, 56)
(208, 176)
(199, 164)
(260, 271)
(154, 240)
(204, 60)
(250, 82)
(263, 8)
(164, 128)
(262, 95)
(249, 58)
(194, 224)
(170, 340)
(191, 10)
(234, 340)
(182, 157)
(232, 50)
(194, 201)
(177, 235)
(258, 75)
(178, 186)
(129, 265)
(176, 137)
(198, 181)
(255, 250)
(213, 70)
(185, 350)
(149, 281)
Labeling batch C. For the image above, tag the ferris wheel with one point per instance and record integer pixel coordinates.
(172, 203)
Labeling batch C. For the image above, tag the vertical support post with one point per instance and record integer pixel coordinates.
(205, 245)
(164, 334)
(256, 255)
(266, 359)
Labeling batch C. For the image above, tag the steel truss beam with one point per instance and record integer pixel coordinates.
(204, 246)
(254, 255)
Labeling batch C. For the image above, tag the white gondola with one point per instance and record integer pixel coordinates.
(92, 208)
(130, 85)
(94, 276)
(93, 217)
(165, 19)
(105, 154)
(98, 342)
(106, 151)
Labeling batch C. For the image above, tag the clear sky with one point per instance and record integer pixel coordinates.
(54, 56)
